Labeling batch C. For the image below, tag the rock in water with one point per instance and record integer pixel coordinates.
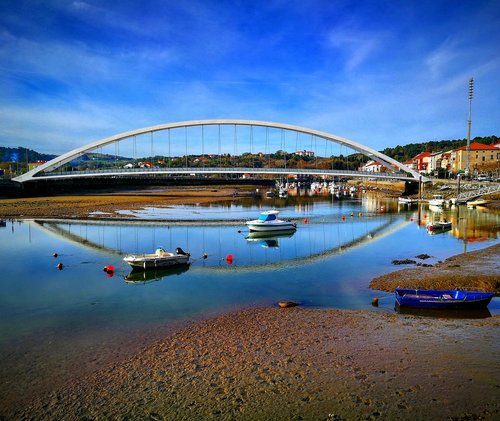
(287, 304)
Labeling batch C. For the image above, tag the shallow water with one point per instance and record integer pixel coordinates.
(339, 246)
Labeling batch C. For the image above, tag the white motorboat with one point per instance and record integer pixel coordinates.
(160, 258)
(407, 200)
(268, 221)
(437, 200)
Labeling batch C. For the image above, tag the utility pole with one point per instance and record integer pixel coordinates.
(469, 121)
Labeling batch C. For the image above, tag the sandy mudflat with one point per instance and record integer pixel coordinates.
(479, 269)
(287, 364)
(107, 205)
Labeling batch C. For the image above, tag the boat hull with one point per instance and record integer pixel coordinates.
(267, 227)
(442, 299)
(143, 262)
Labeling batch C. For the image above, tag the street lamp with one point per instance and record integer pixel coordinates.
(471, 92)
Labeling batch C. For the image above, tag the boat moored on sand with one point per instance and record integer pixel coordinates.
(442, 299)
(160, 258)
(268, 221)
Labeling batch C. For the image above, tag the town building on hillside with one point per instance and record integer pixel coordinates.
(409, 163)
(434, 161)
(482, 157)
(421, 162)
(373, 166)
(305, 153)
(33, 165)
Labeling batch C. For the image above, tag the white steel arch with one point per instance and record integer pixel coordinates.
(75, 153)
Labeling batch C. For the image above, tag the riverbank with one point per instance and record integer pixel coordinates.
(285, 364)
(108, 205)
(478, 269)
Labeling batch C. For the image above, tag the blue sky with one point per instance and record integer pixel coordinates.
(381, 73)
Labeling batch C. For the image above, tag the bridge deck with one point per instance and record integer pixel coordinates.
(211, 170)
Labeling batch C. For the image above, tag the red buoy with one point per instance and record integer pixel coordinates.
(306, 221)
(59, 266)
(343, 217)
(109, 269)
(229, 259)
(375, 302)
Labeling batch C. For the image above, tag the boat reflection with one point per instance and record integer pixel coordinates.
(152, 275)
(269, 239)
(480, 313)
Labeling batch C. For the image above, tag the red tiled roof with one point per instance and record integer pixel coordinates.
(421, 155)
(476, 146)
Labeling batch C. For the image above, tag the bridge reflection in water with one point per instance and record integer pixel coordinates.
(316, 240)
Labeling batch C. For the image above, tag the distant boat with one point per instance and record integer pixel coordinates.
(407, 200)
(437, 200)
(473, 203)
(438, 227)
(160, 258)
(268, 221)
(270, 194)
(442, 299)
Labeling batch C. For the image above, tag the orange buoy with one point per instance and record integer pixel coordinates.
(306, 221)
(59, 266)
(55, 254)
(375, 301)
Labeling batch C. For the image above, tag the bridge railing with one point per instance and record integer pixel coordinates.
(464, 196)
(219, 170)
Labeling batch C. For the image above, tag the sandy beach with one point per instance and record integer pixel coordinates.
(288, 364)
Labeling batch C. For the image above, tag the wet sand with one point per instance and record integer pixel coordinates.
(108, 205)
(286, 364)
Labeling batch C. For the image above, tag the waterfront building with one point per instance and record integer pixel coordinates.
(482, 157)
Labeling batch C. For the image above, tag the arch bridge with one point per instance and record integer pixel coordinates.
(187, 145)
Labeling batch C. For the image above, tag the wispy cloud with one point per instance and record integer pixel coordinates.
(357, 46)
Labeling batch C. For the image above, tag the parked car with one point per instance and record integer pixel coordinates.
(482, 177)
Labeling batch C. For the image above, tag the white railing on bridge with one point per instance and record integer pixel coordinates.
(219, 170)
(472, 194)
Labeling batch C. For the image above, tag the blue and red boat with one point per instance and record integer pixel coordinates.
(455, 299)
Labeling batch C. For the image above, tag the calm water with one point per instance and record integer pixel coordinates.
(327, 262)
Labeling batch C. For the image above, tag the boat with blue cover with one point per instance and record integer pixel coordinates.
(268, 221)
(442, 299)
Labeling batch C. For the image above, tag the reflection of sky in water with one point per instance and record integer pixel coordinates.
(235, 211)
(326, 262)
